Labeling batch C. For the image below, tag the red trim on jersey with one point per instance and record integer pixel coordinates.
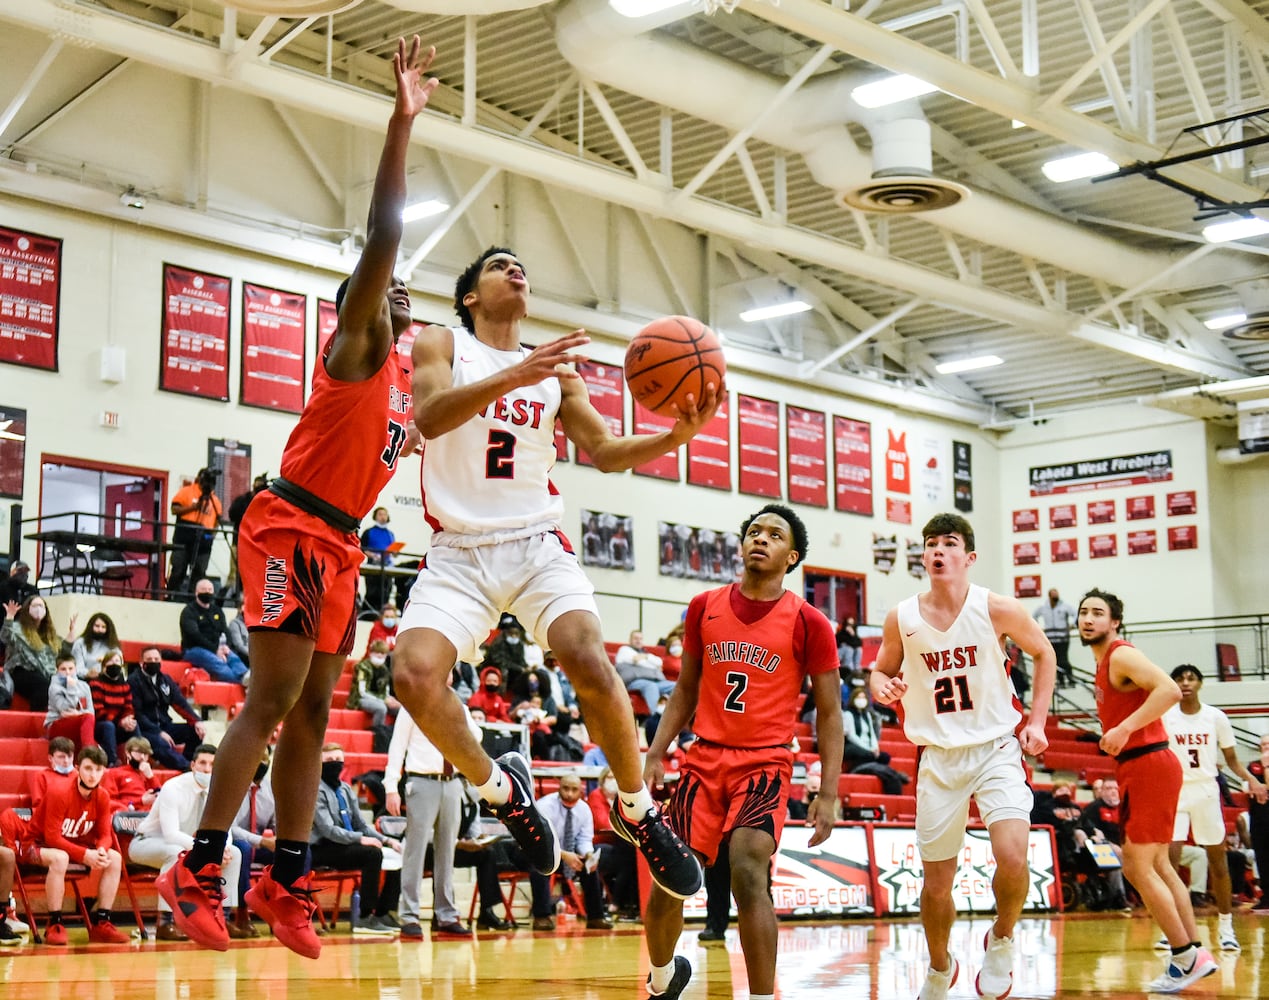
(568, 547)
(432, 522)
(550, 488)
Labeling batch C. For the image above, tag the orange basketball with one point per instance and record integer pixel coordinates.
(670, 358)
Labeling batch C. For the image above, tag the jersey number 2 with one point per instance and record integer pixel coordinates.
(945, 698)
(500, 456)
(396, 441)
(738, 682)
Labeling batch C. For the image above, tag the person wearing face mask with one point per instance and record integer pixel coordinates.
(203, 625)
(70, 706)
(508, 651)
(384, 629)
(134, 783)
(617, 864)
(90, 649)
(168, 829)
(377, 542)
(672, 662)
(17, 586)
(112, 701)
(371, 689)
(862, 753)
(489, 698)
(33, 646)
(61, 763)
(154, 696)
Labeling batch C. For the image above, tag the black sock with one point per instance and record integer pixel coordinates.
(288, 861)
(54, 917)
(101, 917)
(208, 849)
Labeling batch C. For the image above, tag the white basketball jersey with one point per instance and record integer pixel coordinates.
(959, 694)
(492, 473)
(1196, 740)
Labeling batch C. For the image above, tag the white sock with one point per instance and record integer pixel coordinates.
(497, 790)
(1224, 920)
(636, 805)
(761, 996)
(659, 977)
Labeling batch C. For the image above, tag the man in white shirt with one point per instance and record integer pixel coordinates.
(1056, 618)
(640, 671)
(418, 777)
(169, 830)
(574, 827)
(1201, 736)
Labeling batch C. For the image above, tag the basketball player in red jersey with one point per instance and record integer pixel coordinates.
(299, 556)
(747, 649)
(959, 708)
(1132, 695)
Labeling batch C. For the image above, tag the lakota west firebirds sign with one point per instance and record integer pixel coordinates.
(1101, 473)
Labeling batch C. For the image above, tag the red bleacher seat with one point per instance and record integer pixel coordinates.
(895, 807)
(132, 649)
(352, 740)
(14, 800)
(347, 718)
(865, 783)
(216, 694)
(23, 750)
(28, 724)
(360, 763)
(14, 778)
(639, 706)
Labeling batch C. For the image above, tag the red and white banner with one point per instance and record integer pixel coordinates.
(1027, 519)
(1026, 553)
(30, 290)
(1103, 546)
(1101, 512)
(195, 353)
(327, 321)
(1185, 502)
(12, 452)
(709, 453)
(1027, 585)
(898, 510)
(273, 327)
(852, 465)
(806, 443)
(898, 465)
(1142, 543)
(1064, 550)
(1139, 508)
(1184, 537)
(1063, 516)
(607, 387)
(647, 422)
(758, 446)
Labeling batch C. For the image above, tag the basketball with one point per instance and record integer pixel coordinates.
(671, 358)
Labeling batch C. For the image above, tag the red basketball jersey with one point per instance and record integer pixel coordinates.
(346, 445)
(752, 668)
(1115, 706)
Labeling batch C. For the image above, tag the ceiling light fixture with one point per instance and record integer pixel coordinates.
(423, 210)
(132, 198)
(1235, 229)
(1078, 167)
(891, 90)
(640, 8)
(1224, 321)
(968, 364)
(790, 308)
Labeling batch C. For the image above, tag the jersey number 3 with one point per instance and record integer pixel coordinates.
(396, 441)
(948, 691)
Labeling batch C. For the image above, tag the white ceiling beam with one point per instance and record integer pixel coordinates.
(983, 173)
(287, 38)
(1106, 67)
(754, 181)
(1197, 254)
(580, 261)
(70, 105)
(619, 133)
(862, 337)
(1249, 20)
(249, 49)
(1104, 51)
(309, 151)
(29, 84)
(995, 43)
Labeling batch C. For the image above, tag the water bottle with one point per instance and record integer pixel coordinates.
(354, 908)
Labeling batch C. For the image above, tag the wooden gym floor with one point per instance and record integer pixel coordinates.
(1081, 956)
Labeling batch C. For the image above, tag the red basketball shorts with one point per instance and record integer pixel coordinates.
(724, 788)
(1149, 787)
(299, 575)
(17, 835)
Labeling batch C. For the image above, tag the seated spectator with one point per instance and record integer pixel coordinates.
(90, 649)
(133, 784)
(507, 650)
(862, 753)
(16, 587)
(384, 629)
(32, 647)
(1099, 822)
(203, 640)
(168, 831)
(672, 662)
(112, 703)
(253, 834)
(617, 863)
(239, 643)
(1258, 824)
(463, 680)
(371, 689)
(61, 765)
(376, 542)
(342, 839)
(154, 695)
(561, 687)
(640, 671)
(70, 706)
(488, 855)
(80, 807)
(489, 698)
(849, 647)
(574, 826)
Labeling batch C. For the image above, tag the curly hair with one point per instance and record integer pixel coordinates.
(800, 541)
(949, 524)
(1115, 605)
(467, 281)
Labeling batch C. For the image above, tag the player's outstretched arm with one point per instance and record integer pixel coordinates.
(884, 681)
(1129, 665)
(1010, 618)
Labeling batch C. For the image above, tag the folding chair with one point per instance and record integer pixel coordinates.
(124, 826)
(75, 874)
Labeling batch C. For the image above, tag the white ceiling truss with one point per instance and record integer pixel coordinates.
(717, 148)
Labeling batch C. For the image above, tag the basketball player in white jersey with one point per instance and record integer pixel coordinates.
(486, 408)
(1197, 732)
(942, 657)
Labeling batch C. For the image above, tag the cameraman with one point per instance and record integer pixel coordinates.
(198, 513)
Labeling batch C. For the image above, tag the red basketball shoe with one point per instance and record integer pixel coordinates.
(288, 911)
(198, 903)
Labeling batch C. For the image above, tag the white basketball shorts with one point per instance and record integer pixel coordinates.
(1199, 808)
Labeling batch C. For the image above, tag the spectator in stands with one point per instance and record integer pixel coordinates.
(134, 783)
(16, 587)
(376, 543)
(862, 753)
(61, 764)
(1099, 822)
(1016, 664)
(198, 513)
(488, 855)
(1056, 618)
(489, 698)
(71, 823)
(463, 680)
(168, 831)
(154, 695)
(112, 702)
(203, 640)
(253, 834)
(70, 706)
(239, 643)
(90, 649)
(849, 646)
(238, 508)
(640, 671)
(32, 647)
(421, 785)
(384, 629)
(574, 827)
(561, 687)
(1258, 825)
(341, 839)
(371, 689)
(507, 650)
(672, 661)
(617, 859)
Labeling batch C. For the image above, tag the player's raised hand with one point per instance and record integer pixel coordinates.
(411, 66)
(700, 412)
(552, 359)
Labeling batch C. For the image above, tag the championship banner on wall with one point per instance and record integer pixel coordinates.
(1142, 543)
(963, 477)
(1183, 503)
(1182, 538)
(663, 466)
(12, 451)
(852, 465)
(1027, 519)
(709, 453)
(195, 353)
(758, 446)
(1102, 546)
(1139, 508)
(898, 863)
(1027, 585)
(898, 465)
(1101, 473)
(832, 879)
(898, 510)
(1064, 550)
(273, 326)
(607, 387)
(806, 440)
(30, 291)
(327, 320)
(1063, 516)
(1101, 512)
(1026, 553)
